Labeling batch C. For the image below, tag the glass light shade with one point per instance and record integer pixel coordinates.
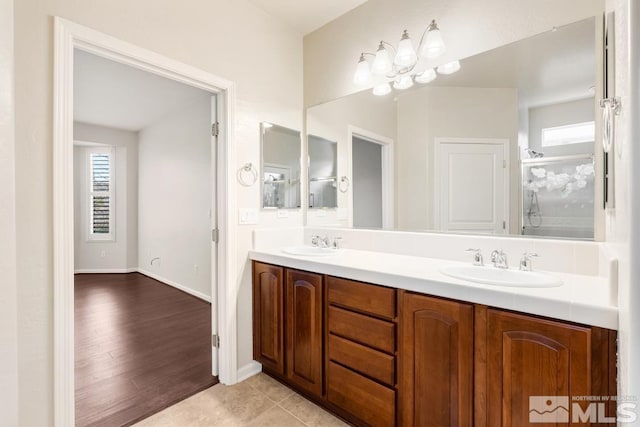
(382, 64)
(433, 45)
(362, 75)
(403, 82)
(381, 89)
(406, 55)
(427, 76)
(449, 67)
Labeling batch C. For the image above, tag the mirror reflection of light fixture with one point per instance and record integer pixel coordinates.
(404, 70)
(449, 67)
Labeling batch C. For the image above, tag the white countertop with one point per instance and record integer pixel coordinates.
(581, 299)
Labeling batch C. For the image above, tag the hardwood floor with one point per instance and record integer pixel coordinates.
(140, 346)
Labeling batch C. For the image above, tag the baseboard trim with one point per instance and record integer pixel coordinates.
(250, 369)
(175, 285)
(105, 270)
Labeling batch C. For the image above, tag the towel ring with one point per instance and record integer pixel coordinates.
(241, 175)
(344, 184)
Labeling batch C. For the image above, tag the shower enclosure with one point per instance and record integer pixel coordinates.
(557, 196)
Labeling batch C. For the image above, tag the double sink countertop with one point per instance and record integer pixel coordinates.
(581, 299)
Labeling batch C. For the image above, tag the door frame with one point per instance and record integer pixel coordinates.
(438, 141)
(388, 176)
(69, 36)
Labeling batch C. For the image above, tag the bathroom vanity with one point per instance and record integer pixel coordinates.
(404, 352)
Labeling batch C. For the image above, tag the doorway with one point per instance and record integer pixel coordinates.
(372, 194)
(471, 185)
(70, 36)
(144, 205)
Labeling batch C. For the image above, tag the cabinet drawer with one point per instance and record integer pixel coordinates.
(369, 401)
(372, 363)
(362, 329)
(377, 300)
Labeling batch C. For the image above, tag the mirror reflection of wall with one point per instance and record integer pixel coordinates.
(536, 96)
(281, 151)
(323, 171)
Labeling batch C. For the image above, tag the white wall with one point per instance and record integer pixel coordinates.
(331, 53)
(449, 112)
(8, 290)
(331, 121)
(175, 197)
(122, 253)
(213, 35)
(565, 113)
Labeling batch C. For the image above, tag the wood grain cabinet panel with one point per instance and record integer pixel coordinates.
(268, 316)
(363, 297)
(527, 356)
(304, 330)
(436, 359)
(375, 333)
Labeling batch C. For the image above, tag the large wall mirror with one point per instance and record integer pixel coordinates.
(280, 167)
(506, 145)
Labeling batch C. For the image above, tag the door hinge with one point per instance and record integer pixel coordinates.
(215, 341)
(215, 129)
(504, 164)
(504, 225)
(215, 235)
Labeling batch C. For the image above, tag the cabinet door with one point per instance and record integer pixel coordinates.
(304, 330)
(268, 317)
(527, 356)
(436, 359)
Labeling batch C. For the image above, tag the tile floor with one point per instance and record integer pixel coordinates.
(257, 401)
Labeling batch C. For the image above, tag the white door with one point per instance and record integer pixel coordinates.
(471, 185)
(214, 244)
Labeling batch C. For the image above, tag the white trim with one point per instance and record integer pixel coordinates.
(176, 285)
(105, 270)
(438, 141)
(388, 175)
(68, 36)
(250, 369)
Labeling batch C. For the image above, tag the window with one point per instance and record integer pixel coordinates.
(101, 200)
(569, 134)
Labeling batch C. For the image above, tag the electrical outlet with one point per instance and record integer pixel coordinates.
(321, 213)
(282, 213)
(103, 254)
(195, 268)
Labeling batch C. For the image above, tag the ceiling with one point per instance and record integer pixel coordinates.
(115, 95)
(307, 15)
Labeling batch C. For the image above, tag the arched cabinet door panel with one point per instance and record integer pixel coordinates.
(268, 316)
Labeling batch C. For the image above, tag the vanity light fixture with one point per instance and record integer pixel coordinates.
(407, 65)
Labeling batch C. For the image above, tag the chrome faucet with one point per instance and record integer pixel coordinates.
(319, 242)
(499, 259)
(525, 262)
(337, 241)
(477, 256)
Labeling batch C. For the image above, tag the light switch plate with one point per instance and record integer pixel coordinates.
(247, 216)
(321, 213)
(283, 213)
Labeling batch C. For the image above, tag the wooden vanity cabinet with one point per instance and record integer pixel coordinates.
(268, 316)
(436, 357)
(287, 325)
(518, 356)
(304, 330)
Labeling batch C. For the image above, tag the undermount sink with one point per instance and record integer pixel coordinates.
(310, 251)
(501, 277)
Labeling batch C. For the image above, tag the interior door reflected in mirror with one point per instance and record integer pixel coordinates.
(506, 145)
(323, 171)
(280, 166)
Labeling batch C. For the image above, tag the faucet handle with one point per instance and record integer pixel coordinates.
(525, 261)
(315, 240)
(477, 256)
(336, 242)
